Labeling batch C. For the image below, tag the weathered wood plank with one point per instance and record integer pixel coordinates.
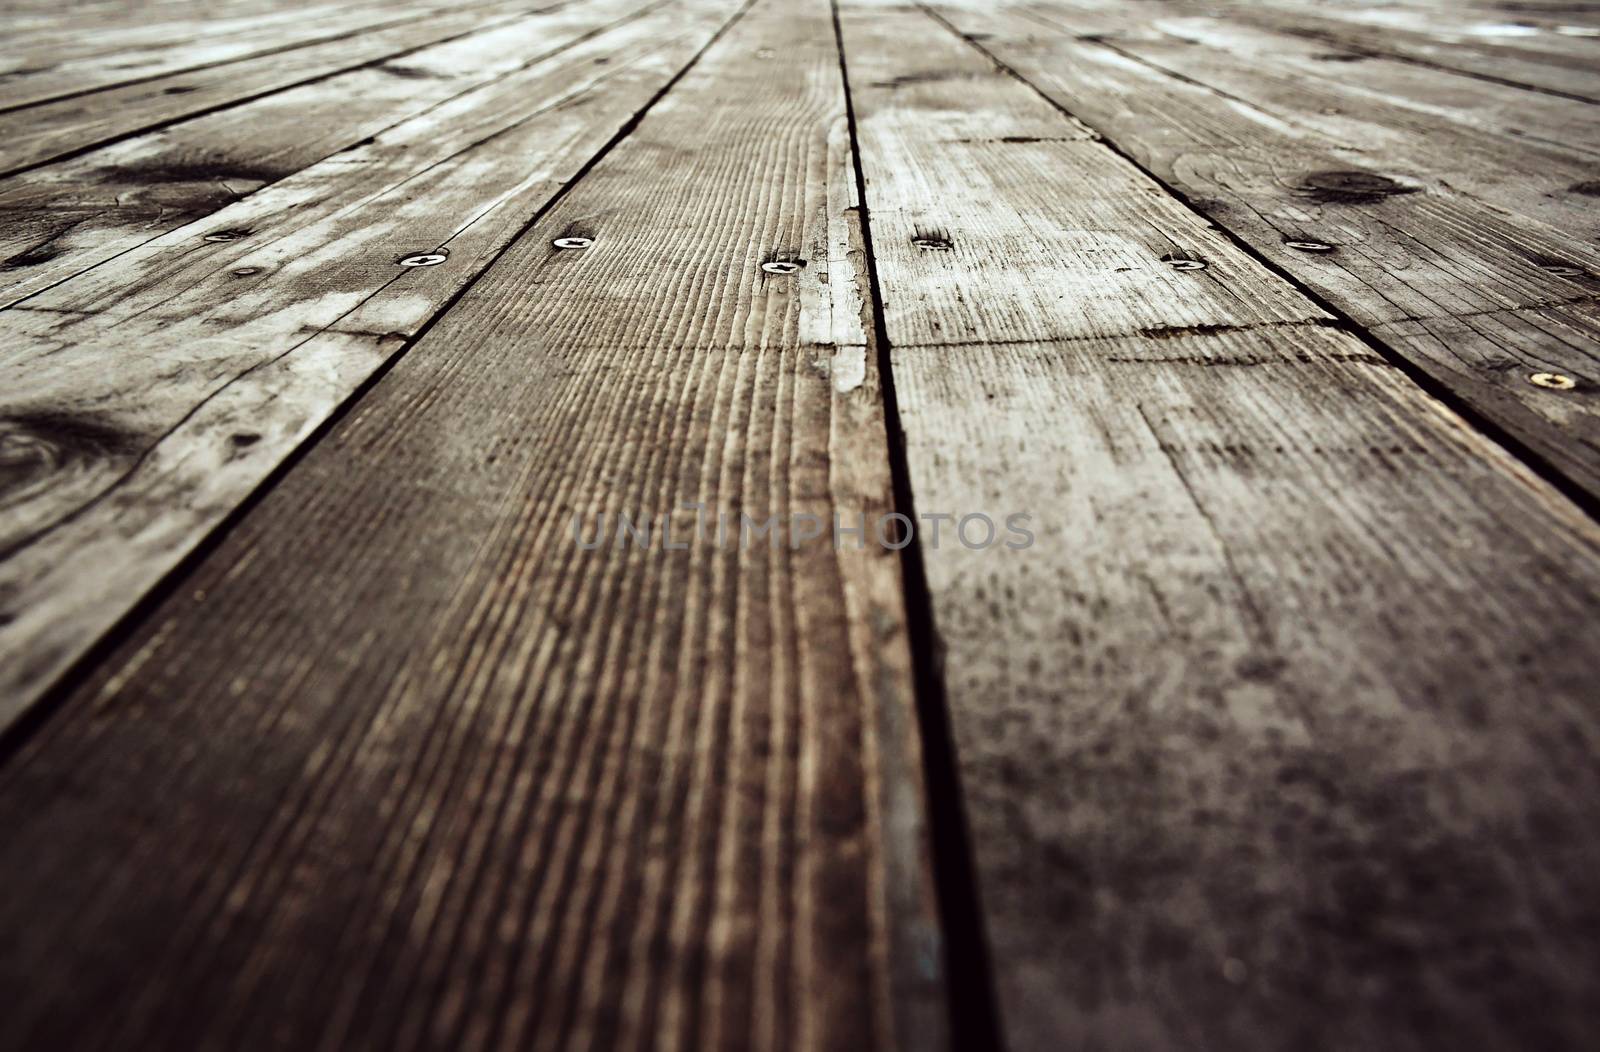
(38, 134)
(1513, 149)
(1281, 733)
(467, 785)
(1546, 47)
(75, 56)
(66, 217)
(247, 344)
(1407, 255)
(1548, 51)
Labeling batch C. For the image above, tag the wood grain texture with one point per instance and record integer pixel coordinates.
(1440, 277)
(62, 219)
(244, 347)
(465, 785)
(38, 134)
(1547, 47)
(1282, 733)
(1517, 150)
(78, 54)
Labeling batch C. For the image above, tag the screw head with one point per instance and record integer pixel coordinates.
(1308, 246)
(225, 235)
(1554, 381)
(573, 242)
(1561, 270)
(425, 259)
(782, 266)
(1185, 264)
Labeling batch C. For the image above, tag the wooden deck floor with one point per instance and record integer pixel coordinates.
(337, 338)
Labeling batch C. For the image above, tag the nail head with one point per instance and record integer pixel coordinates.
(424, 259)
(573, 242)
(1554, 381)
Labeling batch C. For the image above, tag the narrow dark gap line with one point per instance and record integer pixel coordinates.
(969, 976)
(29, 722)
(264, 53)
(206, 111)
(1490, 429)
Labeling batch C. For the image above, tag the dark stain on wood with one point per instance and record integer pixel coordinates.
(1351, 187)
(199, 170)
(1555, 265)
(36, 445)
(30, 258)
(407, 72)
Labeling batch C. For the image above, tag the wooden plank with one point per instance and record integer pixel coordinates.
(1544, 49)
(1479, 300)
(79, 56)
(246, 345)
(1513, 149)
(1281, 732)
(38, 134)
(66, 217)
(548, 797)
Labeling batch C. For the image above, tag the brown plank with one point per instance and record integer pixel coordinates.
(466, 785)
(246, 344)
(1481, 301)
(1281, 733)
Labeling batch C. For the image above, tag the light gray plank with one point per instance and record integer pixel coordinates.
(63, 218)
